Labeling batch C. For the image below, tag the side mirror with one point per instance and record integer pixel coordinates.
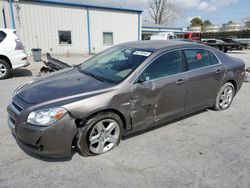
(141, 80)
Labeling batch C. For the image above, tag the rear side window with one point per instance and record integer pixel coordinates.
(2, 36)
(197, 58)
(167, 64)
(213, 59)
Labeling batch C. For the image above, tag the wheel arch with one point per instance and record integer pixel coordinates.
(5, 58)
(117, 112)
(234, 84)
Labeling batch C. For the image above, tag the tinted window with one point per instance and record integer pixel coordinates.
(211, 41)
(197, 58)
(64, 37)
(213, 59)
(165, 65)
(2, 36)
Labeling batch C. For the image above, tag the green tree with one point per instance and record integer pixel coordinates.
(196, 22)
(207, 22)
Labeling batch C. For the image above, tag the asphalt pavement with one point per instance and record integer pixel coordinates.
(208, 149)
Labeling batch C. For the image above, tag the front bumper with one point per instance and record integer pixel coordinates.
(51, 141)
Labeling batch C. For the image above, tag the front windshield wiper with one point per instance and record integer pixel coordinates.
(93, 75)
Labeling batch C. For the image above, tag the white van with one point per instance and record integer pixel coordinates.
(163, 36)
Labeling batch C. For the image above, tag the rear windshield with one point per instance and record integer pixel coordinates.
(2, 36)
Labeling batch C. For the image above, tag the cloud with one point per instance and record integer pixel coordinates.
(204, 5)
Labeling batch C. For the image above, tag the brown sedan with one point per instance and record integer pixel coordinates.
(123, 90)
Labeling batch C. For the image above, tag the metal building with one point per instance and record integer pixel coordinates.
(148, 30)
(64, 26)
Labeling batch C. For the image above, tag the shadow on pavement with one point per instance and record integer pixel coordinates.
(21, 73)
(49, 159)
(163, 125)
(74, 151)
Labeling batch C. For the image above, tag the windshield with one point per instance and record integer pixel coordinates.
(114, 64)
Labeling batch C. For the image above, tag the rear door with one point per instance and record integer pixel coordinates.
(205, 77)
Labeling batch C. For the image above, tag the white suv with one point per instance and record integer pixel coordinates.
(12, 55)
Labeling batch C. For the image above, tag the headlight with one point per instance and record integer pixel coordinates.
(46, 116)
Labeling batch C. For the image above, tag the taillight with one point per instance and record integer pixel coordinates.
(19, 45)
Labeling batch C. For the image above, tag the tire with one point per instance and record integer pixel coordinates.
(103, 138)
(224, 97)
(4, 69)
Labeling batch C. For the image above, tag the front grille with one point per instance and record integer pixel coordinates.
(17, 107)
(14, 111)
(12, 120)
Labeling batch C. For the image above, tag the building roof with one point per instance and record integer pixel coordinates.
(157, 26)
(79, 3)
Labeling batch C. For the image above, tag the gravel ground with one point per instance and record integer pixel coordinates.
(209, 149)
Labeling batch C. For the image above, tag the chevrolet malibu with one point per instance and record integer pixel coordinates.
(125, 89)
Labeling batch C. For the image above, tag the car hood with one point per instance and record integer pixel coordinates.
(65, 83)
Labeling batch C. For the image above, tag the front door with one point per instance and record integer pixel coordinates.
(159, 92)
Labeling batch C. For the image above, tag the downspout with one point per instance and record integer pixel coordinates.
(12, 14)
(139, 26)
(89, 35)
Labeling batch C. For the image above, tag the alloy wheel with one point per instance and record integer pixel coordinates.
(104, 136)
(3, 70)
(226, 97)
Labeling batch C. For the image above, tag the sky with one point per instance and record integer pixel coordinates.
(217, 11)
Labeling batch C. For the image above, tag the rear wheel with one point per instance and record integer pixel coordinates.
(101, 134)
(225, 97)
(4, 69)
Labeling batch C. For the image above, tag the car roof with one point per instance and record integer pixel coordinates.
(154, 45)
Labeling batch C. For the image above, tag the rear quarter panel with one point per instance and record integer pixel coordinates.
(235, 69)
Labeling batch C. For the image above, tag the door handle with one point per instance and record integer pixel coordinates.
(218, 71)
(179, 82)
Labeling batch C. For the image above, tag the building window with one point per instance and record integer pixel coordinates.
(65, 37)
(108, 38)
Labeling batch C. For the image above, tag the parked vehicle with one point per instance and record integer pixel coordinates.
(125, 89)
(163, 36)
(219, 44)
(12, 55)
(194, 36)
(236, 45)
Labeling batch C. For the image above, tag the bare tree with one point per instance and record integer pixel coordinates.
(162, 11)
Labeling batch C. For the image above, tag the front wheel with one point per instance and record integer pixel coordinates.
(4, 69)
(100, 134)
(224, 97)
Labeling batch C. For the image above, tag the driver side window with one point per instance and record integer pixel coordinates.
(167, 64)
